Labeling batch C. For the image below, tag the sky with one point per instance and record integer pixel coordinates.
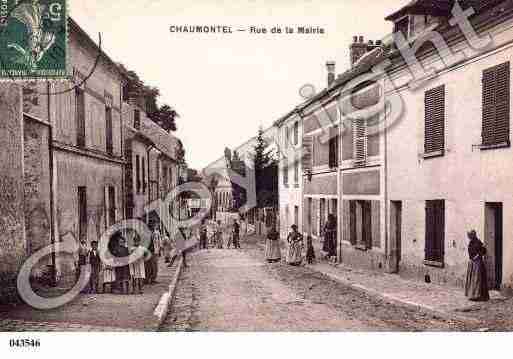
(225, 86)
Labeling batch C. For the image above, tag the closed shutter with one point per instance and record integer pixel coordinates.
(376, 220)
(352, 222)
(80, 116)
(360, 142)
(496, 105)
(106, 207)
(434, 120)
(307, 154)
(333, 147)
(435, 231)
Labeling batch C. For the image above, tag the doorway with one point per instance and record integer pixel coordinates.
(493, 242)
(396, 213)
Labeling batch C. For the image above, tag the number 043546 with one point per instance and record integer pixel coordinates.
(24, 343)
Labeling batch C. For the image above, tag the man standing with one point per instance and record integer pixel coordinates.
(236, 232)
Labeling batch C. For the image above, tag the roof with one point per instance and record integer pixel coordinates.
(439, 7)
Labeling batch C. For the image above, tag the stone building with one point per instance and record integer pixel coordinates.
(64, 168)
(447, 157)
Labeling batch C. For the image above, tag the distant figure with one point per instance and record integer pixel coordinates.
(167, 247)
(122, 271)
(272, 248)
(203, 235)
(330, 237)
(295, 252)
(476, 286)
(310, 252)
(96, 266)
(157, 240)
(137, 269)
(236, 235)
(219, 235)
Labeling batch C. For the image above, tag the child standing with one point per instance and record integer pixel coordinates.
(137, 270)
(310, 252)
(96, 264)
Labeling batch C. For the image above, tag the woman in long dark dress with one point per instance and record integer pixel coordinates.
(295, 252)
(330, 237)
(272, 248)
(121, 253)
(476, 286)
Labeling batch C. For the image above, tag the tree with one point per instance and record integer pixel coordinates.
(165, 117)
(266, 173)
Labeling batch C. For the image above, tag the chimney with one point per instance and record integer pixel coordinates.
(359, 48)
(330, 66)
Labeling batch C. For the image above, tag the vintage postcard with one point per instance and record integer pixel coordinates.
(255, 166)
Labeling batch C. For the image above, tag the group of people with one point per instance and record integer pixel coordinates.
(476, 285)
(125, 274)
(295, 241)
(217, 240)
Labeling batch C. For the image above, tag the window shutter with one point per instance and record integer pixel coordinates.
(434, 120)
(360, 142)
(352, 222)
(435, 231)
(106, 207)
(115, 204)
(496, 102)
(333, 147)
(307, 153)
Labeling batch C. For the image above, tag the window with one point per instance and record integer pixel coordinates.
(435, 232)
(82, 213)
(296, 133)
(360, 224)
(287, 136)
(170, 177)
(144, 173)
(111, 208)
(108, 130)
(402, 26)
(296, 173)
(333, 147)
(434, 121)
(164, 180)
(322, 213)
(137, 119)
(80, 117)
(296, 215)
(137, 174)
(496, 102)
(310, 212)
(286, 172)
(360, 142)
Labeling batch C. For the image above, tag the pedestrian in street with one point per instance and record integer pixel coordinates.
(272, 247)
(236, 235)
(203, 235)
(310, 251)
(219, 235)
(122, 270)
(152, 262)
(329, 245)
(157, 240)
(167, 247)
(109, 274)
(83, 252)
(476, 285)
(295, 252)
(137, 268)
(96, 266)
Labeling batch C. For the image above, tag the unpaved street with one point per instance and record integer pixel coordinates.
(229, 290)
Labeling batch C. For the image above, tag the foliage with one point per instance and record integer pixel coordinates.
(266, 173)
(165, 116)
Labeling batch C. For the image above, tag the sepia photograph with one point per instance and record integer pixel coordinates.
(312, 169)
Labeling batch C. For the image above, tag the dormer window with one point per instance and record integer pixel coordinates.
(403, 26)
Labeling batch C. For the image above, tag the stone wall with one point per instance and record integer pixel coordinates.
(12, 219)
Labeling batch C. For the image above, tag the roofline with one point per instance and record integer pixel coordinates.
(73, 25)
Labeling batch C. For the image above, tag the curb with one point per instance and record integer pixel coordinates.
(391, 298)
(162, 309)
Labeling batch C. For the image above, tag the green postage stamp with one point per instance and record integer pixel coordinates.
(33, 39)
